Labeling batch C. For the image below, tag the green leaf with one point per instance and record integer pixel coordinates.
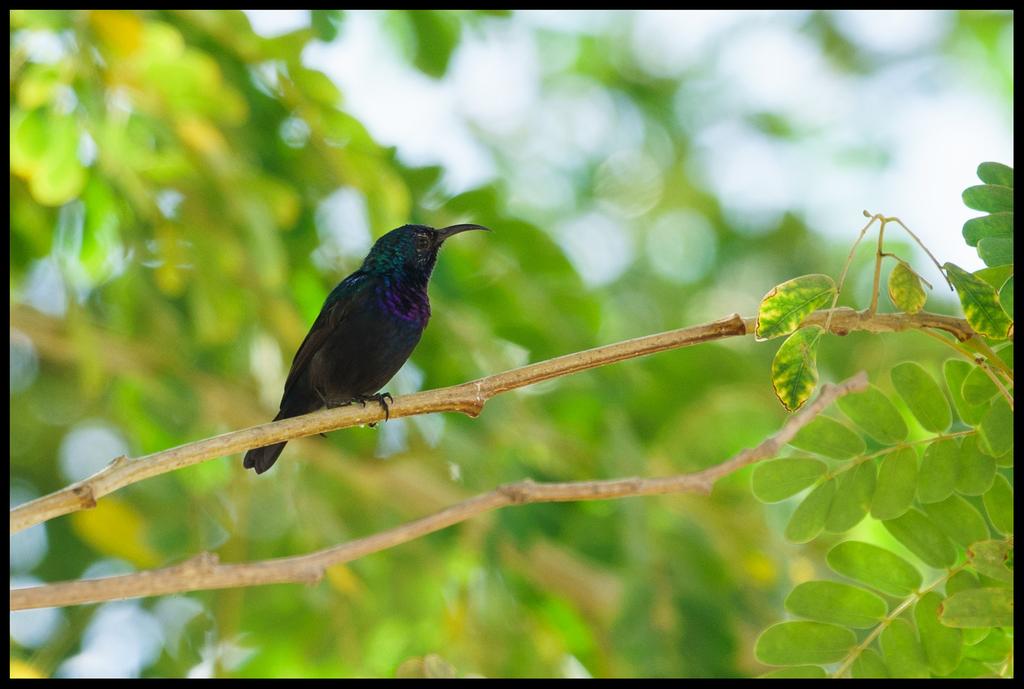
(976, 469)
(992, 198)
(801, 643)
(994, 648)
(978, 388)
(29, 136)
(854, 490)
(316, 85)
(996, 226)
(44, 149)
(958, 519)
(828, 437)
(869, 665)
(876, 415)
(956, 372)
(797, 672)
(795, 368)
(903, 654)
(996, 251)
(809, 517)
(905, 290)
(326, 24)
(38, 84)
(969, 668)
(1006, 296)
(993, 559)
(996, 173)
(786, 306)
(961, 581)
(923, 538)
(923, 396)
(437, 34)
(996, 429)
(974, 635)
(780, 478)
(999, 505)
(988, 607)
(939, 468)
(943, 645)
(980, 303)
(874, 566)
(996, 275)
(831, 601)
(896, 485)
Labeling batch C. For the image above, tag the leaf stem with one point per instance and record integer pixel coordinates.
(921, 244)
(896, 612)
(980, 362)
(878, 269)
(846, 266)
(854, 463)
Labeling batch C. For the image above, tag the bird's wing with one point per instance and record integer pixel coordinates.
(333, 313)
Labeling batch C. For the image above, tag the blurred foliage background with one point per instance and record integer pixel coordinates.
(185, 189)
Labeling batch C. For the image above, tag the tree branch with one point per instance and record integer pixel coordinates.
(468, 398)
(205, 572)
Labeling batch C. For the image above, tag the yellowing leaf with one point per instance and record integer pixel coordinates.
(116, 529)
(988, 607)
(795, 368)
(905, 290)
(786, 306)
(980, 303)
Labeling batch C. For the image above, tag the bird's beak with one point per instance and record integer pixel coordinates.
(447, 232)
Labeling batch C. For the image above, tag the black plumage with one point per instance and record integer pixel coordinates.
(367, 329)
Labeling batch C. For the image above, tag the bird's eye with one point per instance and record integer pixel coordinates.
(422, 241)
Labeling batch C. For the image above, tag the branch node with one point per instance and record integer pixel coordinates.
(519, 492)
(118, 461)
(85, 496)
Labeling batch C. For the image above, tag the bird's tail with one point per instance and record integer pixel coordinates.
(262, 458)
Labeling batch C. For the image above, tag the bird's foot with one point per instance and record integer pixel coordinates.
(379, 399)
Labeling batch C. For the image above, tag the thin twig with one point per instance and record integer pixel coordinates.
(998, 383)
(979, 361)
(921, 244)
(876, 284)
(978, 342)
(846, 266)
(468, 398)
(205, 572)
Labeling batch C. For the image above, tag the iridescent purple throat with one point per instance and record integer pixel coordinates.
(404, 302)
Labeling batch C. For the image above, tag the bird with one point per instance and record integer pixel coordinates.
(367, 329)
